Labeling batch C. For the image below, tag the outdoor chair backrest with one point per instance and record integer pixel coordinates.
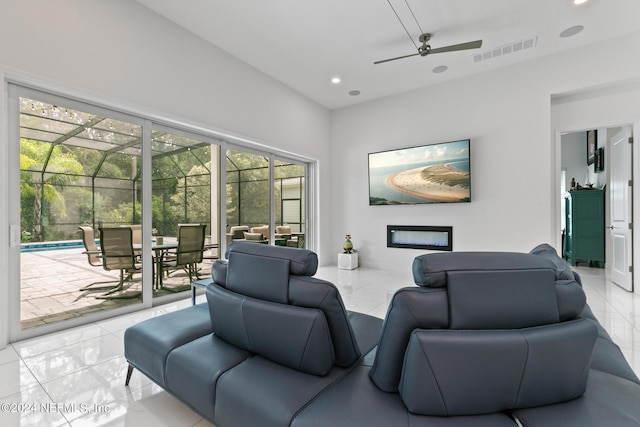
(136, 233)
(91, 249)
(190, 243)
(116, 246)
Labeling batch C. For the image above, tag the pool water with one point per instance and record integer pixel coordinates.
(50, 246)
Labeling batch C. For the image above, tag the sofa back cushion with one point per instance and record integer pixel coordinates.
(448, 373)
(434, 270)
(562, 268)
(283, 275)
(295, 337)
(301, 262)
(259, 277)
(501, 299)
(431, 270)
(473, 291)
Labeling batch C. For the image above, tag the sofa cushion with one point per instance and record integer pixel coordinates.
(295, 337)
(409, 309)
(448, 373)
(302, 262)
(608, 401)
(315, 293)
(501, 299)
(431, 269)
(490, 289)
(562, 268)
(355, 401)
(147, 349)
(193, 369)
(259, 277)
(303, 291)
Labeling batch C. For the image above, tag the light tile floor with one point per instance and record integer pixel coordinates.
(76, 377)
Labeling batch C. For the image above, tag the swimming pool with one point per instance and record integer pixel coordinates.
(51, 246)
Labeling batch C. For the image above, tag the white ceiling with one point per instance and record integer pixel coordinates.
(304, 43)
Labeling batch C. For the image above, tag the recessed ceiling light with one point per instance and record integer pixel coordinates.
(440, 69)
(578, 2)
(335, 80)
(571, 31)
(354, 92)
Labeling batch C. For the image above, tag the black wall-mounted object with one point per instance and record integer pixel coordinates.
(439, 238)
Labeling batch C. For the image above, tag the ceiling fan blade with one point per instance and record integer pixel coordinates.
(393, 59)
(462, 46)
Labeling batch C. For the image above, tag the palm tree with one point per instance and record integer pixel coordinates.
(44, 168)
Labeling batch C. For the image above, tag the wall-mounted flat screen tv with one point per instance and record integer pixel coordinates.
(437, 173)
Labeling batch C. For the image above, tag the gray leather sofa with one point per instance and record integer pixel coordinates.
(485, 339)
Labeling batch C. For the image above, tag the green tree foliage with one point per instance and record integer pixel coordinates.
(44, 168)
(247, 189)
(89, 186)
(192, 200)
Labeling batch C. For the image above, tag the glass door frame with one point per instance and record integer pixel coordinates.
(13, 88)
(15, 91)
(216, 179)
(272, 156)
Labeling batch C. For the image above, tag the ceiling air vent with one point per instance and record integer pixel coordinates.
(506, 49)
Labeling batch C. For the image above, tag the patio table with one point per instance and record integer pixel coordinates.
(159, 251)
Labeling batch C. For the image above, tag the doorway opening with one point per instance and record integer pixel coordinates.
(596, 200)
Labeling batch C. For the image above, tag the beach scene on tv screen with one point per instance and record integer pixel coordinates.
(437, 173)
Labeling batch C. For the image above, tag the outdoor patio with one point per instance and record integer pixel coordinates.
(51, 281)
(82, 167)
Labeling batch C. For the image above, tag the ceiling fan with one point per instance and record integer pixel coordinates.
(425, 49)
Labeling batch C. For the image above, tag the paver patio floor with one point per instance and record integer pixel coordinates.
(51, 281)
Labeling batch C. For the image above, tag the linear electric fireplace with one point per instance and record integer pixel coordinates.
(420, 237)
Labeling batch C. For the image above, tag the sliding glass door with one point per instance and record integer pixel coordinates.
(94, 230)
(102, 205)
(290, 203)
(77, 168)
(185, 194)
(248, 203)
(266, 199)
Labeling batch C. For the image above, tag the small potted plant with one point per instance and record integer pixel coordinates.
(159, 240)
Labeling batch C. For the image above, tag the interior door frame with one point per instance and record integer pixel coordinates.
(555, 193)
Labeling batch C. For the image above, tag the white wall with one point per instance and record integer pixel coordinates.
(574, 157)
(605, 108)
(515, 179)
(120, 54)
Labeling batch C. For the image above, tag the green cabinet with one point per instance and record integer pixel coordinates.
(584, 237)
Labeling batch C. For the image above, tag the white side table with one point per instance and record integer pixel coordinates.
(348, 261)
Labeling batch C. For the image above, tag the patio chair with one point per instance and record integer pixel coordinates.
(189, 252)
(136, 236)
(94, 257)
(116, 247)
